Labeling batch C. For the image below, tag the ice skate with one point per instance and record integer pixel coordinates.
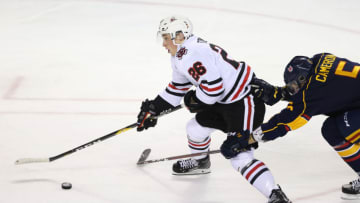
(192, 166)
(278, 196)
(351, 191)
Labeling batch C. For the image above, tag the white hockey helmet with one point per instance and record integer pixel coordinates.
(174, 24)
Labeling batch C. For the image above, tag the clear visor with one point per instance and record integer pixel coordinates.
(293, 87)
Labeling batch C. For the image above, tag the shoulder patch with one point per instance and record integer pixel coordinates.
(181, 53)
(290, 69)
(199, 40)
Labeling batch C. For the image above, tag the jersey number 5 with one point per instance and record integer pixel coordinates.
(197, 70)
(352, 74)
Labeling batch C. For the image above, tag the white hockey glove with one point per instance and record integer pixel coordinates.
(258, 134)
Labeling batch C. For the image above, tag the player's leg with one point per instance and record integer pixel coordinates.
(198, 133)
(249, 114)
(343, 134)
(198, 141)
(259, 176)
(198, 137)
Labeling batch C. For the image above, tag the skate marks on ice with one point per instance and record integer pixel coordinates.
(309, 197)
(35, 180)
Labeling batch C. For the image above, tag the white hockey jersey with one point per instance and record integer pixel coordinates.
(217, 77)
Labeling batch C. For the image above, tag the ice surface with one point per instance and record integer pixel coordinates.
(75, 70)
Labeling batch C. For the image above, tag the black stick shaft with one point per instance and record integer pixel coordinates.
(100, 139)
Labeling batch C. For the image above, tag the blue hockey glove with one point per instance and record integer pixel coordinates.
(266, 92)
(234, 144)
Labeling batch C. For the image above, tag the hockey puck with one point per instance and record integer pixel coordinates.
(66, 186)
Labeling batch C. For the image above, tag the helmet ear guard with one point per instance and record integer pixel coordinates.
(296, 73)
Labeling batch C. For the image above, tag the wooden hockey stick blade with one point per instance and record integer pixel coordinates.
(31, 160)
(144, 155)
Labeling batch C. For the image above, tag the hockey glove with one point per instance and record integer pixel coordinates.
(234, 144)
(145, 119)
(258, 135)
(193, 103)
(266, 92)
(149, 109)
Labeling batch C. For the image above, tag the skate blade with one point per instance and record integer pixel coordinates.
(349, 196)
(194, 172)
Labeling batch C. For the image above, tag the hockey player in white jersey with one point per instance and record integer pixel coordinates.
(221, 100)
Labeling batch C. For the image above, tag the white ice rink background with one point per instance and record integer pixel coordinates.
(75, 70)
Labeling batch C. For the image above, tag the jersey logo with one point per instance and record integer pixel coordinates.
(290, 69)
(181, 53)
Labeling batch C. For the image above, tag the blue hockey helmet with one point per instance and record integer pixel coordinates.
(296, 72)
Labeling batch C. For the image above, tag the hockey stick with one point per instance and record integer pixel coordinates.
(146, 153)
(100, 139)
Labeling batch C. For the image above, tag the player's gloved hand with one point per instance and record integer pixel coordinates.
(145, 120)
(266, 92)
(235, 143)
(193, 103)
(258, 135)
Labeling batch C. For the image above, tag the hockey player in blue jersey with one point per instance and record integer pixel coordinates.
(324, 84)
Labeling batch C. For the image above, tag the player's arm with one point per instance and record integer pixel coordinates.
(210, 88)
(151, 108)
(206, 94)
(210, 83)
(291, 118)
(268, 93)
(166, 100)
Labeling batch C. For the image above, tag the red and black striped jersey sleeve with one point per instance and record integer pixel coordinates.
(175, 91)
(212, 88)
(178, 89)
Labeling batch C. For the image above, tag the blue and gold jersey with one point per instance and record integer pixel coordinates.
(333, 86)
